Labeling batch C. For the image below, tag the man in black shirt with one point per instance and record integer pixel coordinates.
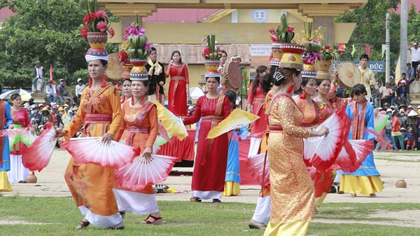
(157, 78)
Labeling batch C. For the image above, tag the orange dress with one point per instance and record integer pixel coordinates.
(139, 129)
(91, 184)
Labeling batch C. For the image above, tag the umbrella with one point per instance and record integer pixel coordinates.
(196, 92)
(8, 94)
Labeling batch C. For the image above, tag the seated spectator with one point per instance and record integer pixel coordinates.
(402, 92)
(51, 92)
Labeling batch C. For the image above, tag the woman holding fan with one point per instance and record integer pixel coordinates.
(5, 121)
(139, 129)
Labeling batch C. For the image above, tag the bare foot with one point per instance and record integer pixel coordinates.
(353, 195)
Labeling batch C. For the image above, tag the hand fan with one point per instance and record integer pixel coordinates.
(326, 148)
(10, 132)
(37, 156)
(236, 119)
(144, 171)
(93, 150)
(256, 167)
(380, 122)
(172, 124)
(353, 154)
(23, 136)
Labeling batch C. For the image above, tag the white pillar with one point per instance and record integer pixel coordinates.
(403, 35)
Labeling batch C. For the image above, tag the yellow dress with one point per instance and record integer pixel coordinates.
(91, 184)
(292, 190)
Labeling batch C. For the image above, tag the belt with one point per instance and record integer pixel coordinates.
(212, 118)
(137, 129)
(98, 119)
(275, 128)
(259, 99)
(177, 78)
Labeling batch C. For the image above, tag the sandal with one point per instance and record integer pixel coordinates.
(195, 199)
(83, 224)
(152, 220)
(353, 195)
(217, 201)
(122, 213)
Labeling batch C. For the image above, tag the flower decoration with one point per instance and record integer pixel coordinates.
(122, 55)
(138, 46)
(284, 32)
(312, 44)
(211, 51)
(328, 53)
(95, 20)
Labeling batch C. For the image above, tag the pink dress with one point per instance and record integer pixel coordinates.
(257, 101)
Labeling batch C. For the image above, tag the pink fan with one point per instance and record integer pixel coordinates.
(144, 171)
(322, 151)
(93, 150)
(353, 153)
(256, 167)
(37, 156)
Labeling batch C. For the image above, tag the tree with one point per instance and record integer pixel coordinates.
(44, 30)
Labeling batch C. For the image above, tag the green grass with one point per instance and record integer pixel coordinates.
(187, 219)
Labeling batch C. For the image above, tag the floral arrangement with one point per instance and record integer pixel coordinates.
(311, 40)
(123, 57)
(138, 46)
(95, 20)
(284, 32)
(328, 53)
(211, 51)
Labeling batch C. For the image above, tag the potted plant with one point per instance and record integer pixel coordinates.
(211, 53)
(328, 54)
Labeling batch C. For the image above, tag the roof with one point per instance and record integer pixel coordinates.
(179, 15)
(6, 13)
(194, 52)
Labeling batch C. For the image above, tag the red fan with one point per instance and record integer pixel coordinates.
(37, 156)
(93, 150)
(323, 151)
(353, 154)
(256, 167)
(144, 171)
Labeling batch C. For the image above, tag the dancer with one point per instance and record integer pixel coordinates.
(126, 91)
(99, 114)
(179, 85)
(5, 120)
(292, 205)
(18, 172)
(305, 103)
(139, 129)
(257, 91)
(210, 164)
(366, 180)
(232, 178)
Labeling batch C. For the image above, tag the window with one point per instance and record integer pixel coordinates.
(260, 15)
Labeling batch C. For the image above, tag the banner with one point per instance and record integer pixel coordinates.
(260, 49)
(375, 66)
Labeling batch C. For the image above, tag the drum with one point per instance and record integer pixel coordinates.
(231, 76)
(115, 69)
(348, 75)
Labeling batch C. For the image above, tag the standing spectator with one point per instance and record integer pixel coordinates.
(51, 92)
(376, 96)
(79, 89)
(367, 77)
(402, 91)
(157, 79)
(386, 93)
(410, 72)
(402, 116)
(396, 131)
(393, 86)
(415, 55)
(39, 74)
(62, 92)
(413, 122)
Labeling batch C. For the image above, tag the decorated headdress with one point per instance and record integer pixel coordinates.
(212, 55)
(328, 54)
(312, 51)
(95, 30)
(138, 50)
(285, 54)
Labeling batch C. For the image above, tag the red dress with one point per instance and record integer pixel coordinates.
(178, 90)
(211, 159)
(20, 120)
(257, 101)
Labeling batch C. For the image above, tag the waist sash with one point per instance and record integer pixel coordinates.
(98, 119)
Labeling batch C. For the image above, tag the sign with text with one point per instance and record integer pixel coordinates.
(375, 66)
(260, 49)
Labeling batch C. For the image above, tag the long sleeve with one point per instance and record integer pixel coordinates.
(161, 76)
(369, 119)
(286, 109)
(77, 121)
(120, 132)
(197, 113)
(371, 78)
(27, 120)
(114, 100)
(251, 94)
(8, 115)
(187, 77)
(227, 109)
(154, 127)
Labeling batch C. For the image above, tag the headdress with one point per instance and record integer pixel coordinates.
(328, 54)
(312, 51)
(212, 55)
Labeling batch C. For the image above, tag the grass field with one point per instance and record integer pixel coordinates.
(59, 216)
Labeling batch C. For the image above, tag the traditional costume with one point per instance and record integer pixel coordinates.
(17, 171)
(367, 78)
(366, 180)
(156, 72)
(259, 127)
(232, 177)
(5, 120)
(91, 184)
(177, 94)
(208, 179)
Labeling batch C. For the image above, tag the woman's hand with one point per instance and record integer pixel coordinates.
(323, 131)
(147, 152)
(107, 138)
(60, 133)
(161, 83)
(334, 77)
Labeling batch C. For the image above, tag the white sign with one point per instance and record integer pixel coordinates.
(260, 49)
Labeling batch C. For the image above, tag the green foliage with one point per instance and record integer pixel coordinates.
(48, 31)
